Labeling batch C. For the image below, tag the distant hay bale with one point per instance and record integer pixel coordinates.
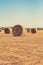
(33, 30)
(17, 30)
(7, 31)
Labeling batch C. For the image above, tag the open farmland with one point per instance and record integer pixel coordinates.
(23, 50)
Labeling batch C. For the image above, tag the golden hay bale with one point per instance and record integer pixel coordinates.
(33, 30)
(6, 31)
(11, 28)
(2, 33)
(18, 30)
(24, 31)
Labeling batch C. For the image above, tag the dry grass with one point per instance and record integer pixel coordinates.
(24, 50)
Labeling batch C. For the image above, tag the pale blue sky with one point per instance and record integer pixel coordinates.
(28, 13)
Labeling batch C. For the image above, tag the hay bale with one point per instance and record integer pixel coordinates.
(10, 30)
(21, 31)
(17, 30)
(33, 30)
(6, 31)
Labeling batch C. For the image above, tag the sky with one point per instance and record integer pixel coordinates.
(28, 13)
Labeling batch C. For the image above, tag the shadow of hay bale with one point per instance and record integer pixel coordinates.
(18, 30)
(28, 30)
(33, 30)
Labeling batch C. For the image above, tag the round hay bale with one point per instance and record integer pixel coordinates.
(17, 30)
(33, 30)
(7, 31)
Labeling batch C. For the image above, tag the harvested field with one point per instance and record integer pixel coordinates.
(23, 50)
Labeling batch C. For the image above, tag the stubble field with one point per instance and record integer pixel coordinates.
(23, 50)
